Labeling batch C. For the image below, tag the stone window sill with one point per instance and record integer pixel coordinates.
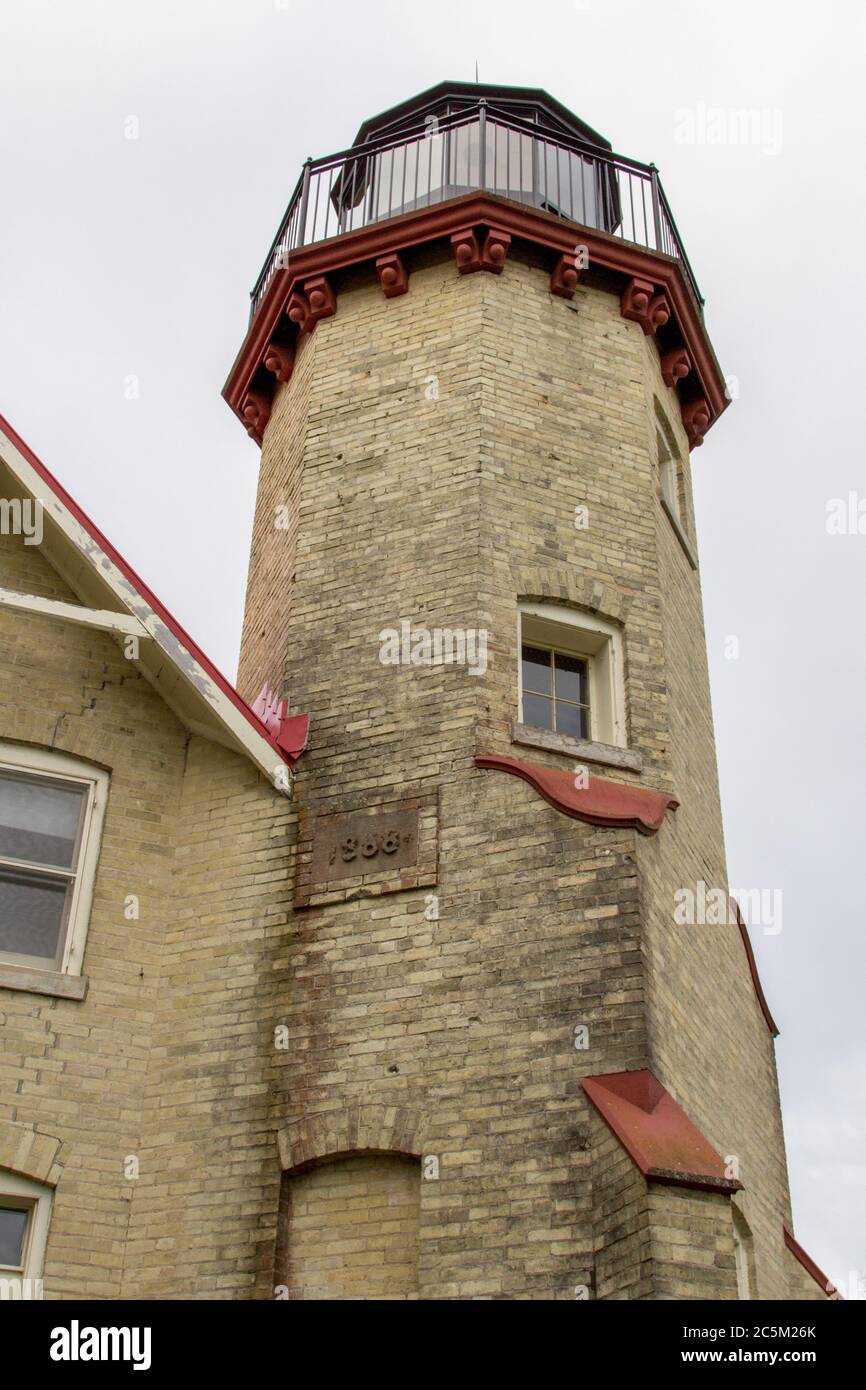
(50, 982)
(680, 534)
(583, 749)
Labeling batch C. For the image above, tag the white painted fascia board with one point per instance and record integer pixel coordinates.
(242, 733)
(124, 624)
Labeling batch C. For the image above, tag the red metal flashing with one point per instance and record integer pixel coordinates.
(600, 803)
(809, 1265)
(460, 216)
(656, 1133)
(753, 968)
(289, 751)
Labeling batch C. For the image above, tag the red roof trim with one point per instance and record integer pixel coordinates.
(809, 1265)
(753, 968)
(287, 755)
(656, 1133)
(600, 803)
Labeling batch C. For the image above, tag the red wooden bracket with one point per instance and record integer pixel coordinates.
(392, 275)
(280, 359)
(675, 366)
(298, 310)
(565, 276)
(640, 303)
(316, 301)
(466, 250)
(696, 419)
(256, 411)
(495, 249)
(321, 299)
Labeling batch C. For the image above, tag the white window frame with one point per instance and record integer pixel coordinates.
(36, 1198)
(597, 642)
(60, 767)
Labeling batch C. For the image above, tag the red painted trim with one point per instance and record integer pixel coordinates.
(753, 968)
(469, 210)
(809, 1265)
(601, 803)
(289, 755)
(656, 1133)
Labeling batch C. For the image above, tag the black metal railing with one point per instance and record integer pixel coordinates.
(476, 148)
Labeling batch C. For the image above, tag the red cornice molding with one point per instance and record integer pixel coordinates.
(600, 803)
(508, 219)
(656, 1133)
(809, 1265)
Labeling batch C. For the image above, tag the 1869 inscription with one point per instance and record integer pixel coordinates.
(352, 846)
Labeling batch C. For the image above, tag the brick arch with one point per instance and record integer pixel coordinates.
(571, 587)
(70, 737)
(31, 1155)
(353, 1129)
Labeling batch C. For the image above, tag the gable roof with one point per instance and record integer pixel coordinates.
(200, 695)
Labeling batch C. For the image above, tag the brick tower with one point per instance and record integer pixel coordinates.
(476, 366)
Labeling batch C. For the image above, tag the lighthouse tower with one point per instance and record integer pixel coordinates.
(524, 1058)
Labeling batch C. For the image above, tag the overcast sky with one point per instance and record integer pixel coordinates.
(132, 259)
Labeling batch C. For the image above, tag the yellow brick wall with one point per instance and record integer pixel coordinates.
(166, 1060)
(274, 539)
(709, 1041)
(205, 1208)
(446, 511)
(76, 1070)
(353, 1229)
(692, 1244)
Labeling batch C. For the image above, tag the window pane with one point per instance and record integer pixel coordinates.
(536, 669)
(572, 720)
(13, 1225)
(571, 679)
(31, 912)
(538, 712)
(39, 820)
